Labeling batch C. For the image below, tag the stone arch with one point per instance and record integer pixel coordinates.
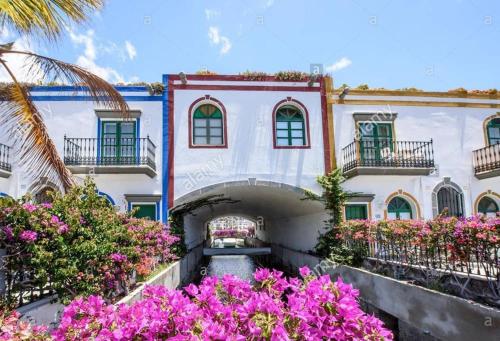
(40, 188)
(443, 184)
(490, 194)
(415, 206)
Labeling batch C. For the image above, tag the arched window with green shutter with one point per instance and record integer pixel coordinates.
(488, 207)
(493, 130)
(208, 127)
(399, 208)
(290, 127)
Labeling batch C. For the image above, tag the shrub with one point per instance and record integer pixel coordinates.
(274, 308)
(11, 328)
(80, 244)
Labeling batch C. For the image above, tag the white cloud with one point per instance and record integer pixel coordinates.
(217, 39)
(131, 51)
(211, 13)
(339, 65)
(88, 59)
(269, 3)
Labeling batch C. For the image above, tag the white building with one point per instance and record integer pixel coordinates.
(262, 142)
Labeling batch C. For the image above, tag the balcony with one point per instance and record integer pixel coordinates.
(5, 166)
(382, 156)
(486, 161)
(110, 156)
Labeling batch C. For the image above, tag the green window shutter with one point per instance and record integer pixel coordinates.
(290, 127)
(399, 208)
(208, 126)
(145, 211)
(358, 211)
(375, 140)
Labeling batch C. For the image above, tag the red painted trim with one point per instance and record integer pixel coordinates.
(326, 127)
(224, 122)
(171, 143)
(233, 78)
(306, 114)
(245, 87)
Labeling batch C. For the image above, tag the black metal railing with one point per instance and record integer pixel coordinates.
(388, 153)
(5, 158)
(486, 159)
(109, 152)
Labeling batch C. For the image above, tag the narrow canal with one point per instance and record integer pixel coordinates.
(242, 266)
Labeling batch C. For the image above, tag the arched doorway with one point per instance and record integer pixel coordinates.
(448, 198)
(230, 231)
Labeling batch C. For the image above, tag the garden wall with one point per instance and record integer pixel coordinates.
(413, 312)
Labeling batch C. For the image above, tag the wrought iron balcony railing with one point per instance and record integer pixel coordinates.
(5, 158)
(486, 160)
(100, 152)
(386, 153)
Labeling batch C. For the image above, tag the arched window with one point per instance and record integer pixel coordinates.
(451, 200)
(493, 131)
(488, 207)
(208, 126)
(399, 208)
(290, 127)
(43, 195)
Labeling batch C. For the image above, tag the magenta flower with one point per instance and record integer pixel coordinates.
(29, 207)
(28, 236)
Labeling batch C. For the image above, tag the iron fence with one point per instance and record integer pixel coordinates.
(486, 159)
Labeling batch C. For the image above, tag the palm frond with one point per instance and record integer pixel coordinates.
(35, 149)
(46, 69)
(45, 18)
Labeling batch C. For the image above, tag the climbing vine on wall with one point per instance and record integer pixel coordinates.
(333, 198)
(177, 214)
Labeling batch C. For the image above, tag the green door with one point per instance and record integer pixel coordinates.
(147, 211)
(356, 212)
(118, 145)
(493, 130)
(375, 141)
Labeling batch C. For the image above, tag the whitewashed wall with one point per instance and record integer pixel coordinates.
(78, 119)
(250, 152)
(456, 132)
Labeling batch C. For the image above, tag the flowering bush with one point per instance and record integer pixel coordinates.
(274, 308)
(79, 244)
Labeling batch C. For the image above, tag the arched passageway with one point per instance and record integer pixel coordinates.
(282, 216)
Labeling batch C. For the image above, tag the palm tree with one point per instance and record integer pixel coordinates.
(18, 114)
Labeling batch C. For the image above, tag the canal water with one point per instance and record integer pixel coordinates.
(242, 266)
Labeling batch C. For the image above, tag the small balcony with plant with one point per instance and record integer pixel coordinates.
(5, 163)
(385, 156)
(123, 155)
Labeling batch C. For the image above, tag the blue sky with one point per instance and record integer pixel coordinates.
(433, 45)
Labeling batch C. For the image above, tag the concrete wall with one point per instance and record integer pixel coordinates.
(455, 132)
(421, 314)
(176, 275)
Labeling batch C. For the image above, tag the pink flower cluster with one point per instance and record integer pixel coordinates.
(11, 328)
(274, 308)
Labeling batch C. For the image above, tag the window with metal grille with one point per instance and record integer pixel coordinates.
(290, 127)
(450, 201)
(208, 126)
